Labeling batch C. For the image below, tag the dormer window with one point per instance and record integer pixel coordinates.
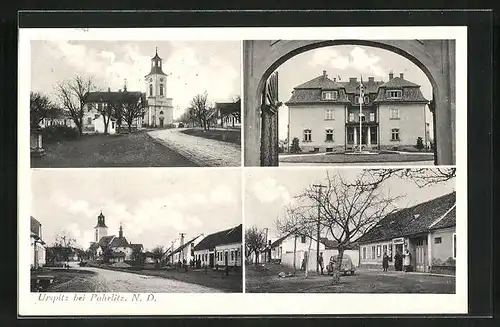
(394, 94)
(329, 95)
(366, 99)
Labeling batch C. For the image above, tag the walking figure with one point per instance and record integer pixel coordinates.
(320, 262)
(406, 260)
(385, 261)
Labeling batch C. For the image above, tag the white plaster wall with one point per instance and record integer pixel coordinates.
(411, 124)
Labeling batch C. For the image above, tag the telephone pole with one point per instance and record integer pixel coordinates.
(319, 189)
(182, 243)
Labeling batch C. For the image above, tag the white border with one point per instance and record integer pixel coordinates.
(248, 304)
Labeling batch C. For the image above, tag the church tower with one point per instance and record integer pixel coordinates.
(101, 229)
(159, 108)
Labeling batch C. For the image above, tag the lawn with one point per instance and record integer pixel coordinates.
(228, 135)
(357, 158)
(260, 280)
(98, 150)
(215, 279)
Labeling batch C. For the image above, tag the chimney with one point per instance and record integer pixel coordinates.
(401, 75)
(324, 74)
(353, 79)
(391, 75)
(371, 79)
(109, 89)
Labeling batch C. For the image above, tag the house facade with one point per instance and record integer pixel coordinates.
(324, 114)
(228, 114)
(221, 249)
(185, 251)
(427, 230)
(37, 245)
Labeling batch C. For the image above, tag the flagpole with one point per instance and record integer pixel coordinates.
(360, 110)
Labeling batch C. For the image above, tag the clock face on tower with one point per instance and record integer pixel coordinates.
(150, 79)
(161, 79)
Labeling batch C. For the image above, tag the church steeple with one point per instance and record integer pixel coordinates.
(156, 63)
(120, 233)
(101, 229)
(101, 221)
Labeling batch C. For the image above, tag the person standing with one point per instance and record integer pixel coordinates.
(398, 261)
(320, 262)
(406, 260)
(385, 261)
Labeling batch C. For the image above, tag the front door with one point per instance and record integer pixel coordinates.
(211, 260)
(161, 122)
(421, 260)
(226, 259)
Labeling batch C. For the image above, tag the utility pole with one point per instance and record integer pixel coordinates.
(182, 243)
(319, 188)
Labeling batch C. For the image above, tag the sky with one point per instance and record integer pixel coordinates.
(192, 67)
(345, 61)
(154, 206)
(268, 191)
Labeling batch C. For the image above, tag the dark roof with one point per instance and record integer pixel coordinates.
(105, 240)
(321, 82)
(410, 94)
(410, 221)
(94, 246)
(310, 91)
(448, 221)
(117, 254)
(100, 221)
(227, 108)
(183, 246)
(332, 244)
(119, 242)
(370, 86)
(228, 236)
(103, 96)
(398, 82)
(136, 247)
(35, 226)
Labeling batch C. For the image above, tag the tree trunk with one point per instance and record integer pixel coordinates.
(308, 256)
(294, 254)
(129, 127)
(106, 124)
(256, 258)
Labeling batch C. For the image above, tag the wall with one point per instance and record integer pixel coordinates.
(377, 261)
(201, 254)
(288, 244)
(435, 57)
(229, 248)
(99, 126)
(313, 117)
(443, 250)
(126, 250)
(411, 124)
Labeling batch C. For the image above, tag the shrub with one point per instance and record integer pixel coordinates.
(59, 133)
(295, 146)
(420, 144)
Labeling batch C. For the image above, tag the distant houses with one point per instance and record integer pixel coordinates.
(37, 245)
(220, 249)
(228, 113)
(184, 252)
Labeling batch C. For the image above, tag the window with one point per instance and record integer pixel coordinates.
(89, 120)
(329, 95)
(161, 89)
(307, 135)
(161, 112)
(350, 135)
(454, 246)
(329, 135)
(366, 99)
(302, 239)
(356, 99)
(362, 117)
(99, 106)
(390, 251)
(394, 94)
(96, 236)
(236, 254)
(437, 240)
(364, 252)
(379, 248)
(329, 114)
(384, 248)
(395, 134)
(329, 150)
(373, 252)
(232, 255)
(373, 135)
(372, 116)
(150, 90)
(394, 113)
(112, 124)
(351, 116)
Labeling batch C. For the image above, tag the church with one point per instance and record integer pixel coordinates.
(119, 248)
(158, 108)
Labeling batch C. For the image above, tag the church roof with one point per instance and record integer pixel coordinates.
(94, 246)
(108, 96)
(106, 240)
(118, 242)
(100, 221)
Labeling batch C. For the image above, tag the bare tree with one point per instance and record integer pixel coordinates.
(41, 107)
(73, 95)
(157, 252)
(189, 116)
(133, 106)
(347, 210)
(422, 177)
(201, 109)
(64, 244)
(255, 241)
(106, 110)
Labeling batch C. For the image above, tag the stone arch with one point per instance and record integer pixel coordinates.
(436, 58)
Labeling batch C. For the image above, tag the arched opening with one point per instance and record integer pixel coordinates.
(275, 54)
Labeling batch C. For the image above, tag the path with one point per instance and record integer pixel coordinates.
(203, 152)
(117, 281)
(401, 163)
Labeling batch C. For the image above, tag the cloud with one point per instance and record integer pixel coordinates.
(268, 191)
(358, 58)
(223, 194)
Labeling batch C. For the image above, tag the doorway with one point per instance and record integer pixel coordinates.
(211, 260)
(161, 122)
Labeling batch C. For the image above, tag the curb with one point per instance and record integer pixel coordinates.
(409, 273)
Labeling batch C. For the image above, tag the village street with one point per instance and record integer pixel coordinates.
(202, 151)
(103, 280)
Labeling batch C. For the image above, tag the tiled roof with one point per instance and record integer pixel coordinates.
(410, 94)
(371, 86)
(398, 82)
(136, 247)
(410, 221)
(302, 96)
(321, 82)
(184, 245)
(118, 242)
(105, 240)
(111, 96)
(35, 226)
(448, 221)
(228, 236)
(332, 244)
(94, 246)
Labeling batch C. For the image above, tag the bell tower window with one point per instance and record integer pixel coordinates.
(150, 90)
(161, 89)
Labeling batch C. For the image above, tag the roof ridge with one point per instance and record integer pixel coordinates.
(442, 217)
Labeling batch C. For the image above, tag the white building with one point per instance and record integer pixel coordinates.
(185, 250)
(221, 249)
(37, 245)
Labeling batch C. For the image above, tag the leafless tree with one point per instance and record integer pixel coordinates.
(345, 210)
(41, 107)
(133, 106)
(106, 110)
(157, 252)
(201, 109)
(422, 177)
(255, 241)
(73, 94)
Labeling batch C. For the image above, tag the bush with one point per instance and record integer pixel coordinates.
(295, 146)
(59, 133)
